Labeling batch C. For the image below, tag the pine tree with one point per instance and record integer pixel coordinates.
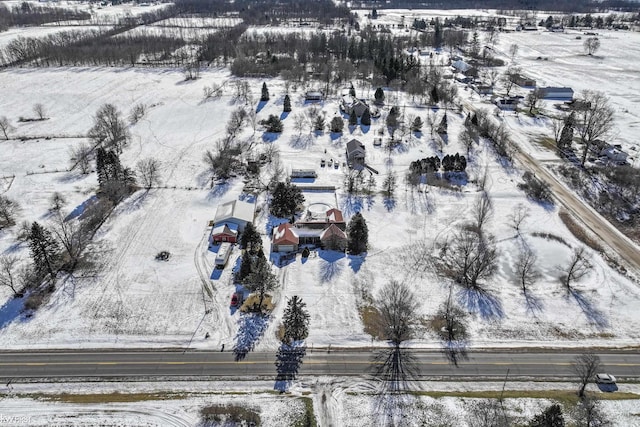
(45, 251)
(261, 279)
(365, 120)
(337, 124)
(319, 123)
(250, 239)
(379, 96)
(550, 417)
(352, 91)
(286, 107)
(245, 266)
(566, 135)
(443, 126)
(285, 199)
(295, 320)
(358, 234)
(265, 92)
(353, 118)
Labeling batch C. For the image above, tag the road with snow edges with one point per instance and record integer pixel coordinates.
(168, 364)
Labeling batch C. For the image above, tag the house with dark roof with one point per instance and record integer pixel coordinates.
(355, 152)
(559, 93)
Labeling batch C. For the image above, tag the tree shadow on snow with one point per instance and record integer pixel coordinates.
(351, 205)
(252, 327)
(455, 351)
(218, 190)
(389, 203)
(301, 142)
(480, 301)
(594, 315)
(284, 115)
(288, 362)
(270, 136)
(260, 106)
(330, 265)
(533, 303)
(356, 261)
(11, 310)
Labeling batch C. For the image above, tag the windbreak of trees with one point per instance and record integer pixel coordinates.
(31, 14)
(260, 12)
(556, 5)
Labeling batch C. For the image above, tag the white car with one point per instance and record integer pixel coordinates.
(605, 379)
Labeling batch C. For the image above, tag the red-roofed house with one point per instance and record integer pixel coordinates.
(285, 238)
(225, 232)
(333, 238)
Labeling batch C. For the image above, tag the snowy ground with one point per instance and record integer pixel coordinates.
(336, 402)
(136, 301)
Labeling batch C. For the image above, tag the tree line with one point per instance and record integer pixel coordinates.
(29, 14)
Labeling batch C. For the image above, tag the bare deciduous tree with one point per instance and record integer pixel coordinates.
(585, 367)
(8, 210)
(82, 157)
(594, 122)
(591, 45)
(72, 235)
(588, 413)
(519, 214)
(469, 258)
(39, 110)
(109, 130)
(513, 51)
(578, 267)
(488, 413)
(137, 112)
(482, 211)
(9, 273)
(57, 202)
(236, 122)
(526, 270)
(225, 159)
(533, 99)
(6, 127)
(466, 139)
(148, 172)
(397, 306)
(451, 326)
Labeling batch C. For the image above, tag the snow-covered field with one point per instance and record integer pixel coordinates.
(134, 300)
(336, 402)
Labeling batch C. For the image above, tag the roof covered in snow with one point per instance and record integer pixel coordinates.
(235, 209)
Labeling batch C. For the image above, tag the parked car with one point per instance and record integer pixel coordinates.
(330, 162)
(605, 379)
(335, 165)
(236, 299)
(322, 163)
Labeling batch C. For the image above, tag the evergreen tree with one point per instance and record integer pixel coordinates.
(286, 104)
(379, 96)
(353, 118)
(250, 239)
(45, 251)
(416, 126)
(435, 98)
(285, 200)
(352, 91)
(265, 92)
(550, 417)
(358, 234)
(261, 280)
(443, 126)
(365, 120)
(319, 123)
(392, 118)
(295, 320)
(337, 124)
(566, 135)
(245, 266)
(273, 124)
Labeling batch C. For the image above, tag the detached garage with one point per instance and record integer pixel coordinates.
(285, 239)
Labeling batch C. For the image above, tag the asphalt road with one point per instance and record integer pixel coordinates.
(156, 364)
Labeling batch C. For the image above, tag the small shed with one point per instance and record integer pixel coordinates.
(559, 93)
(303, 173)
(285, 239)
(313, 96)
(508, 104)
(224, 232)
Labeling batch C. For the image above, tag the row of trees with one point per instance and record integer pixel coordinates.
(27, 14)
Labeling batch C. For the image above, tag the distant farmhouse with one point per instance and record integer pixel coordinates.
(313, 96)
(349, 103)
(230, 220)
